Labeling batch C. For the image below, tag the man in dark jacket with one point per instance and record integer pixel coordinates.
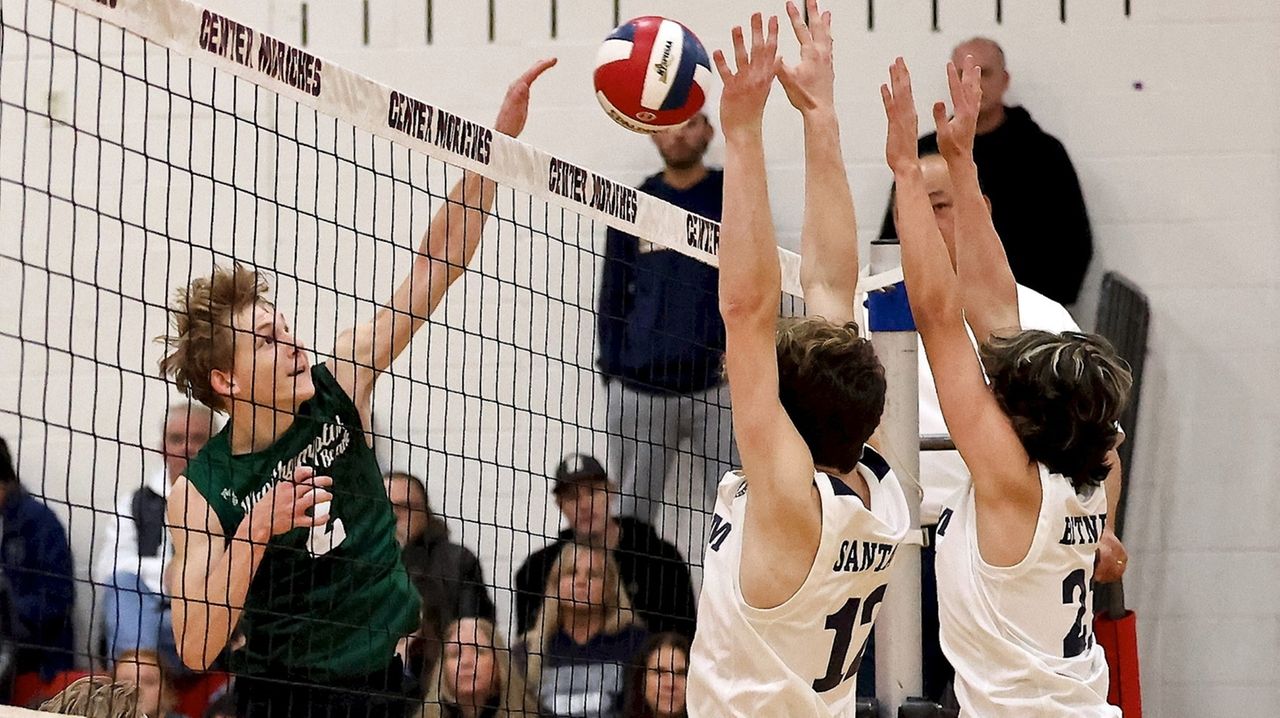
(661, 340)
(653, 572)
(1036, 202)
(35, 560)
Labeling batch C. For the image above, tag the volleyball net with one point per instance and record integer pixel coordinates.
(146, 142)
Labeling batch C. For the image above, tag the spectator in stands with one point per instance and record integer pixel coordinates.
(447, 575)
(144, 670)
(96, 697)
(653, 571)
(135, 550)
(656, 679)
(475, 677)
(662, 340)
(943, 473)
(583, 637)
(224, 706)
(36, 586)
(1037, 205)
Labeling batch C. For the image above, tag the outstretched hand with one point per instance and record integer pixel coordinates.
(747, 89)
(515, 106)
(955, 135)
(900, 149)
(811, 83)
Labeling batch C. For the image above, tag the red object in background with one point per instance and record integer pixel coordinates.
(1119, 640)
(196, 691)
(28, 689)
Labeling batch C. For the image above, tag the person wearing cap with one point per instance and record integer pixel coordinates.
(653, 571)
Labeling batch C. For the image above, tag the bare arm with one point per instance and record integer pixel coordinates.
(212, 575)
(1113, 559)
(446, 249)
(782, 520)
(981, 431)
(829, 238)
(987, 288)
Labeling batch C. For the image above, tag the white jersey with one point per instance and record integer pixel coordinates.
(1021, 637)
(799, 658)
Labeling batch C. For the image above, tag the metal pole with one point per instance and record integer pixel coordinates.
(899, 673)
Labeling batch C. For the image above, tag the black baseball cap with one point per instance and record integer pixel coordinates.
(578, 469)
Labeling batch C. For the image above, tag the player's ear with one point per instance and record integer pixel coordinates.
(223, 383)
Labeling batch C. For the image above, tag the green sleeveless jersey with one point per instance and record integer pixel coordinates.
(327, 602)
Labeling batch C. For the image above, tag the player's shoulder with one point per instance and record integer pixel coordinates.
(1036, 311)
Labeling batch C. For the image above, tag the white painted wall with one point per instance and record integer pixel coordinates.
(1182, 179)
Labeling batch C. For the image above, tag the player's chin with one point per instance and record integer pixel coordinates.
(297, 389)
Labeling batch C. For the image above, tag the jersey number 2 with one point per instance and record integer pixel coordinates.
(842, 623)
(1078, 640)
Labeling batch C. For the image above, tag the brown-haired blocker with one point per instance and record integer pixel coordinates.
(803, 537)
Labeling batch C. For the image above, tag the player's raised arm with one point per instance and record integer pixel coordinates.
(988, 291)
(773, 452)
(829, 238)
(443, 255)
(981, 431)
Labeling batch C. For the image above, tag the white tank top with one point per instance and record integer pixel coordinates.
(799, 658)
(1021, 637)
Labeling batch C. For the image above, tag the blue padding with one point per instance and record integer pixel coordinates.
(889, 310)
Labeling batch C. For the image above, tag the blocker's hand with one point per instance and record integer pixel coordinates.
(810, 85)
(1112, 558)
(747, 90)
(515, 105)
(955, 135)
(900, 149)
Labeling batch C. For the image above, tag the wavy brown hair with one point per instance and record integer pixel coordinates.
(832, 386)
(1064, 394)
(200, 320)
(635, 704)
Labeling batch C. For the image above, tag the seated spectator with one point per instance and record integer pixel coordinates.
(653, 571)
(447, 575)
(656, 679)
(475, 678)
(135, 549)
(583, 637)
(224, 706)
(143, 670)
(96, 697)
(36, 586)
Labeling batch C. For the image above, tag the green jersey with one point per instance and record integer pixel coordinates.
(327, 602)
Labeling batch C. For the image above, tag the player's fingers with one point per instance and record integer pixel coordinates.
(757, 32)
(771, 39)
(887, 97)
(953, 84)
(940, 117)
(739, 48)
(818, 22)
(536, 71)
(797, 24)
(722, 67)
(303, 473)
(311, 498)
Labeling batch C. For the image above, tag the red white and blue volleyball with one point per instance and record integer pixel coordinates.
(652, 74)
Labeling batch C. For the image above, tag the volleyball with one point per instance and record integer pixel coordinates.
(651, 74)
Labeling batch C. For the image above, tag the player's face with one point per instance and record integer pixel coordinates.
(269, 368)
(146, 676)
(665, 681)
(683, 147)
(582, 583)
(469, 663)
(995, 78)
(937, 181)
(586, 508)
(185, 433)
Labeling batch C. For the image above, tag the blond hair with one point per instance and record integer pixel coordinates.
(202, 339)
(617, 608)
(95, 697)
(514, 698)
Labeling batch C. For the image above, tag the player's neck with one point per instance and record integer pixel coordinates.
(684, 177)
(989, 122)
(254, 428)
(855, 481)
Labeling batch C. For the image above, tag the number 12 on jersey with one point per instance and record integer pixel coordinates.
(842, 622)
